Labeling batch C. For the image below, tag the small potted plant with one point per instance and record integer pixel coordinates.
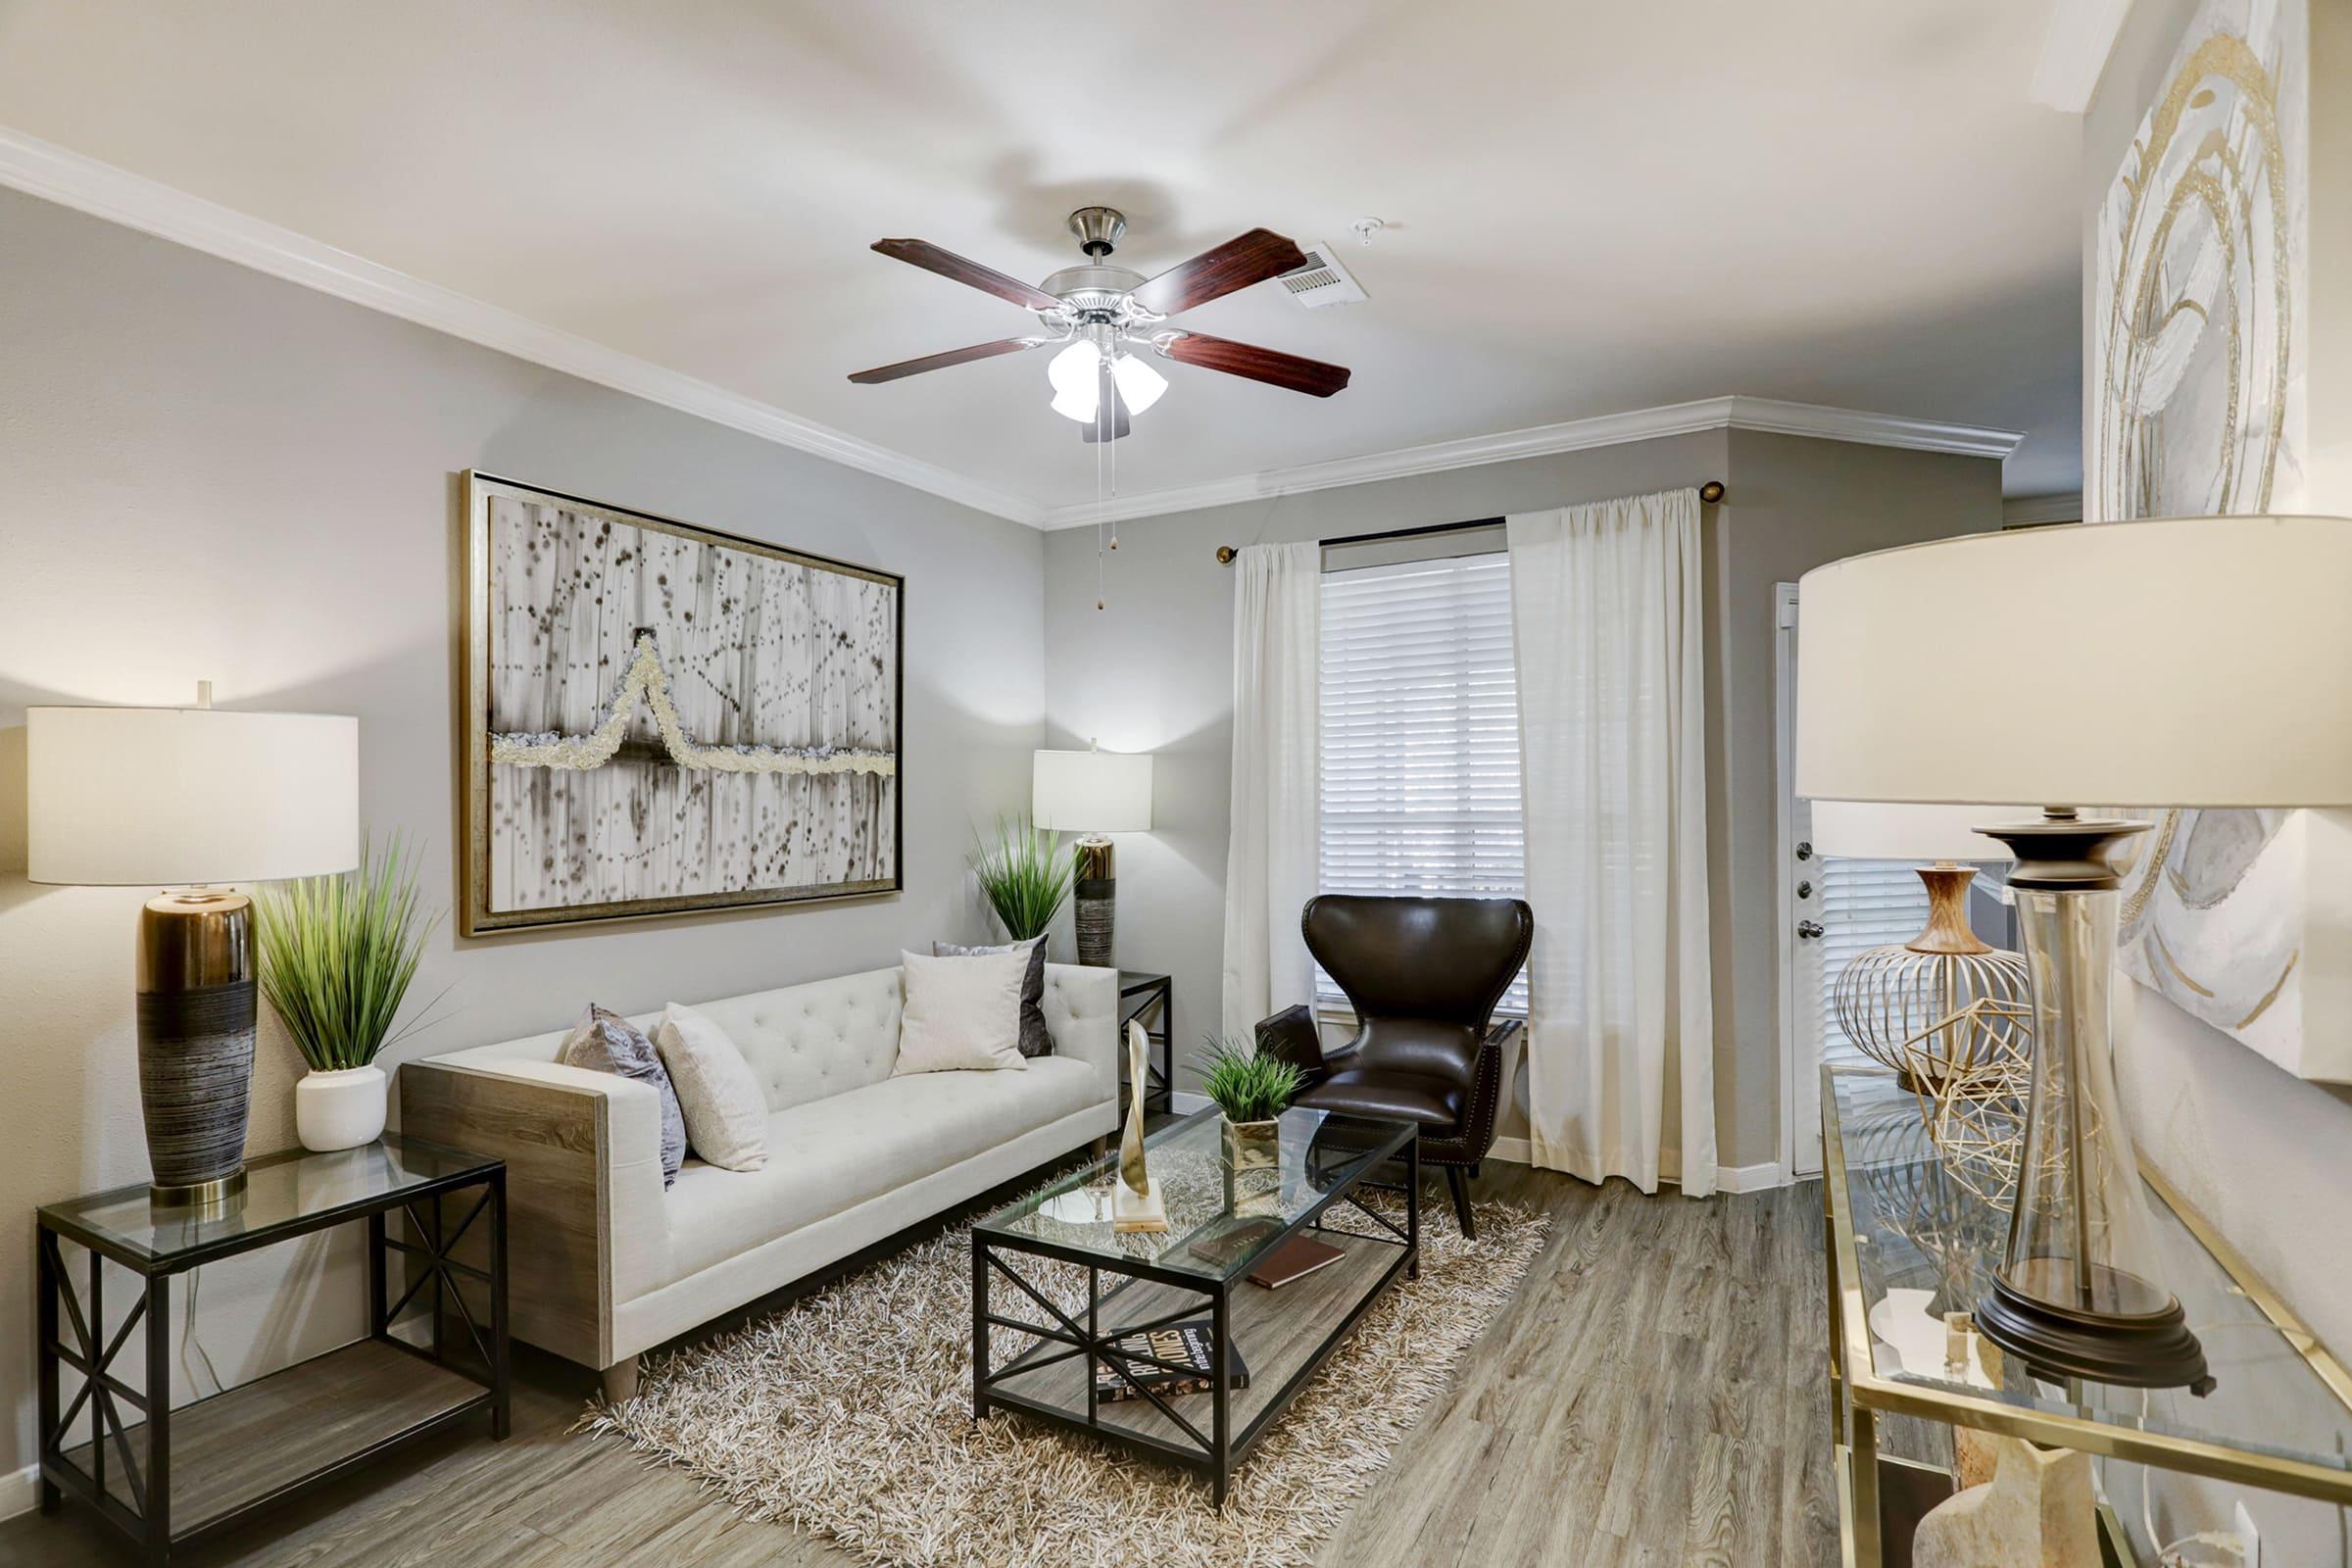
(337, 954)
(1252, 1090)
(1025, 877)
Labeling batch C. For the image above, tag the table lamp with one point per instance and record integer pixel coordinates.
(187, 799)
(1094, 794)
(2183, 661)
(1946, 1000)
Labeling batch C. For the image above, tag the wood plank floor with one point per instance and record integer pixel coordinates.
(1654, 1395)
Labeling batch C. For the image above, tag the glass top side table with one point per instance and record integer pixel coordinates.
(1906, 1243)
(171, 1475)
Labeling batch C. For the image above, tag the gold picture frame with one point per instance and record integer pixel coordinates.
(568, 758)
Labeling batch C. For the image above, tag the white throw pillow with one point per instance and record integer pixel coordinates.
(961, 1014)
(726, 1115)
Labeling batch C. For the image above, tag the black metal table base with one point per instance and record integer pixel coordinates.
(1215, 1452)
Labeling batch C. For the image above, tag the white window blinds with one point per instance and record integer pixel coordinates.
(1420, 735)
(1864, 905)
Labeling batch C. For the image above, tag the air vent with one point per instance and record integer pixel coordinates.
(1322, 281)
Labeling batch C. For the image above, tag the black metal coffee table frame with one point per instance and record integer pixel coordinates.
(479, 1188)
(1215, 1452)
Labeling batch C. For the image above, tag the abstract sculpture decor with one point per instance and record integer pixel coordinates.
(1135, 1205)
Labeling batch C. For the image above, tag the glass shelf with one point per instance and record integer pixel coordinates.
(1909, 1243)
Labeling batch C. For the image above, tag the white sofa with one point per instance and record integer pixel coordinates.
(604, 1263)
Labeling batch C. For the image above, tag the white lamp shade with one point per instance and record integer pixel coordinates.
(171, 797)
(2171, 662)
(1872, 830)
(1093, 792)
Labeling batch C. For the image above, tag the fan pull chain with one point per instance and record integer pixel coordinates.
(1102, 375)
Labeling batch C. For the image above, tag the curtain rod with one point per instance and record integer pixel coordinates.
(1711, 492)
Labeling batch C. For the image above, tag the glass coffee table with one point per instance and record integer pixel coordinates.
(1046, 1259)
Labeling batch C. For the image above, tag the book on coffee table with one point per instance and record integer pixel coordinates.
(1294, 1260)
(1190, 1343)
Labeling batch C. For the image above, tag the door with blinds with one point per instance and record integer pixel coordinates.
(1835, 909)
(1420, 736)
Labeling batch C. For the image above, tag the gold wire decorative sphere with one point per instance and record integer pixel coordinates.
(1928, 1016)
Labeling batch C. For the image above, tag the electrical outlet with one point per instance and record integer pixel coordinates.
(2249, 1539)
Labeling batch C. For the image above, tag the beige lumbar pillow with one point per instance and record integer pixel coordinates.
(961, 1014)
(726, 1115)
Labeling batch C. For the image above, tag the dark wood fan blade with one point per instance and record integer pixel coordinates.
(946, 264)
(1111, 416)
(1236, 263)
(1291, 371)
(940, 362)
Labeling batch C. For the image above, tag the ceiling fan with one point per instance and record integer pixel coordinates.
(1098, 314)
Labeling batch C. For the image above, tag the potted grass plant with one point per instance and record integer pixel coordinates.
(1252, 1089)
(336, 957)
(1024, 876)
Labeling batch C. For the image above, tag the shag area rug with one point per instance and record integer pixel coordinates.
(849, 1414)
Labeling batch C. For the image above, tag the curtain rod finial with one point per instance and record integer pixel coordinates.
(1711, 492)
(1225, 554)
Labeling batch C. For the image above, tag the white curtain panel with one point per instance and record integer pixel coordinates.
(1271, 866)
(1608, 633)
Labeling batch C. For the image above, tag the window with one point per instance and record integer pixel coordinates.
(1864, 905)
(1420, 736)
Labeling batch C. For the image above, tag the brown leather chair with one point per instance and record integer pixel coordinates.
(1424, 975)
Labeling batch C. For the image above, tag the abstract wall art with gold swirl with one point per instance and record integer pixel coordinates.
(2199, 390)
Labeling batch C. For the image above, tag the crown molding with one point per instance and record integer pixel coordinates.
(2028, 512)
(55, 174)
(2075, 51)
(70, 180)
(1768, 415)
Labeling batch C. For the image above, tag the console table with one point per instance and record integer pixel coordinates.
(172, 1476)
(1906, 1243)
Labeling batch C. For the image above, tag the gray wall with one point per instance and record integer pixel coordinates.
(211, 473)
(2265, 1155)
(1155, 672)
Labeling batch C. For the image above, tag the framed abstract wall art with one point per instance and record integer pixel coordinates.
(663, 719)
(2201, 391)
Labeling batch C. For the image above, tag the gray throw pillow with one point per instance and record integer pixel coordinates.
(603, 1040)
(1035, 1041)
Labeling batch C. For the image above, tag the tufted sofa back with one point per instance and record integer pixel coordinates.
(827, 1037)
(815, 1040)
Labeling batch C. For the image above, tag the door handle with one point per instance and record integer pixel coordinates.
(1808, 929)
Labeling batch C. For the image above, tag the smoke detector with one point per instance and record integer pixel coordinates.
(1322, 281)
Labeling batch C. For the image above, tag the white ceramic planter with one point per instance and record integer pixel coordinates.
(340, 1110)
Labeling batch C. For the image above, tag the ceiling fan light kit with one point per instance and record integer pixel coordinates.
(1097, 314)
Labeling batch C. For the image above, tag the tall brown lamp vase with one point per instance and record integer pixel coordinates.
(190, 799)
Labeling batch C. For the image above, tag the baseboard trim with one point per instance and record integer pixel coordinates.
(1752, 1178)
(1727, 1178)
(20, 1491)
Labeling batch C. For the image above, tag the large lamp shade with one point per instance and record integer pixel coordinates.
(1093, 792)
(2172, 660)
(172, 797)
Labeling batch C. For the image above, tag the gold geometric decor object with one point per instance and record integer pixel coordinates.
(1978, 1117)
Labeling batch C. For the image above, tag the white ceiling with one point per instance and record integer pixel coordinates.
(1589, 209)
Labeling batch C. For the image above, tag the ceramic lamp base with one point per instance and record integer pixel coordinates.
(1095, 895)
(196, 1004)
